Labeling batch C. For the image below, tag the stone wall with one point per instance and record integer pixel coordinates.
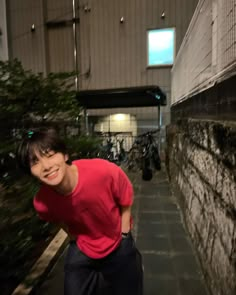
(201, 162)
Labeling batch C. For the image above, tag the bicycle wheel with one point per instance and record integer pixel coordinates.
(156, 160)
(147, 174)
(133, 159)
(146, 169)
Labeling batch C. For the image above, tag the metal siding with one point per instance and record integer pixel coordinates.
(171, 11)
(126, 73)
(60, 49)
(3, 36)
(127, 31)
(139, 31)
(59, 9)
(25, 45)
(60, 37)
(117, 53)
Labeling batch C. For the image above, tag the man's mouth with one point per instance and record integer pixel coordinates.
(51, 175)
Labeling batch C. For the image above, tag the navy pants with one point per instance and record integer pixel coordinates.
(120, 273)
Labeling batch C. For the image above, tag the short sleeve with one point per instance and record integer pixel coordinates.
(123, 188)
(41, 208)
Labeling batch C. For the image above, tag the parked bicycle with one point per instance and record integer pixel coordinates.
(144, 155)
(121, 153)
(113, 148)
(107, 149)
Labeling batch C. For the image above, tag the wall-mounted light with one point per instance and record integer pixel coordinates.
(119, 117)
(33, 28)
(87, 8)
(122, 19)
(163, 15)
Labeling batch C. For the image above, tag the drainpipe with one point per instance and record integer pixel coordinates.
(75, 45)
(159, 127)
(85, 114)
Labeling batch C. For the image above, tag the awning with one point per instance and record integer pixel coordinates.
(143, 96)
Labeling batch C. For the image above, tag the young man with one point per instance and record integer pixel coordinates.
(91, 199)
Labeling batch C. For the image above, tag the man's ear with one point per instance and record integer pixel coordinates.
(66, 157)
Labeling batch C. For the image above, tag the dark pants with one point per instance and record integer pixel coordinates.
(120, 273)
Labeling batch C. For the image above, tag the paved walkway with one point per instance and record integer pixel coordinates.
(170, 266)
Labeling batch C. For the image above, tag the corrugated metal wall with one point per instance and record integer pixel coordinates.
(48, 47)
(109, 53)
(208, 52)
(114, 54)
(27, 46)
(60, 45)
(117, 53)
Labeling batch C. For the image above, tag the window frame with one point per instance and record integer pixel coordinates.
(174, 47)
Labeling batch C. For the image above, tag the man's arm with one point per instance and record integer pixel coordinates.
(125, 219)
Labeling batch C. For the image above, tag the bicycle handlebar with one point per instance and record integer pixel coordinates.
(149, 132)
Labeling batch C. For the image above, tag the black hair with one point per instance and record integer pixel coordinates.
(41, 140)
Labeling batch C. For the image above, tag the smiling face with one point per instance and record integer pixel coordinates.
(49, 168)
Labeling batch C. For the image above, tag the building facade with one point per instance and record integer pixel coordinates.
(106, 41)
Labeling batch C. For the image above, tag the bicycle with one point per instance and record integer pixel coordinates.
(144, 155)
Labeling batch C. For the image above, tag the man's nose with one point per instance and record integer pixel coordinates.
(46, 164)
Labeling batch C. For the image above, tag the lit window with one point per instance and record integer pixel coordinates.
(119, 117)
(161, 47)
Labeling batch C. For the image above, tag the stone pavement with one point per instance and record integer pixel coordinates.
(170, 264)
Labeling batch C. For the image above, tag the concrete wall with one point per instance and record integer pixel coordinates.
(201, 163)
(207, 54)
(201, 140)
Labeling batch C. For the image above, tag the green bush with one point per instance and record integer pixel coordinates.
(84, 146)
(26, 99)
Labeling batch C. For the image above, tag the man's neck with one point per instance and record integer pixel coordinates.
(69, 182)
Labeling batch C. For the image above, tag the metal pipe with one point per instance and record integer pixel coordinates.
(75, 45)
(159, 126)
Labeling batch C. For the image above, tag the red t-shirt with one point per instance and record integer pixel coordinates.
(92, 210)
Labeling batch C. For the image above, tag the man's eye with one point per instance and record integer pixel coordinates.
(34, 162)
(50, 154)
